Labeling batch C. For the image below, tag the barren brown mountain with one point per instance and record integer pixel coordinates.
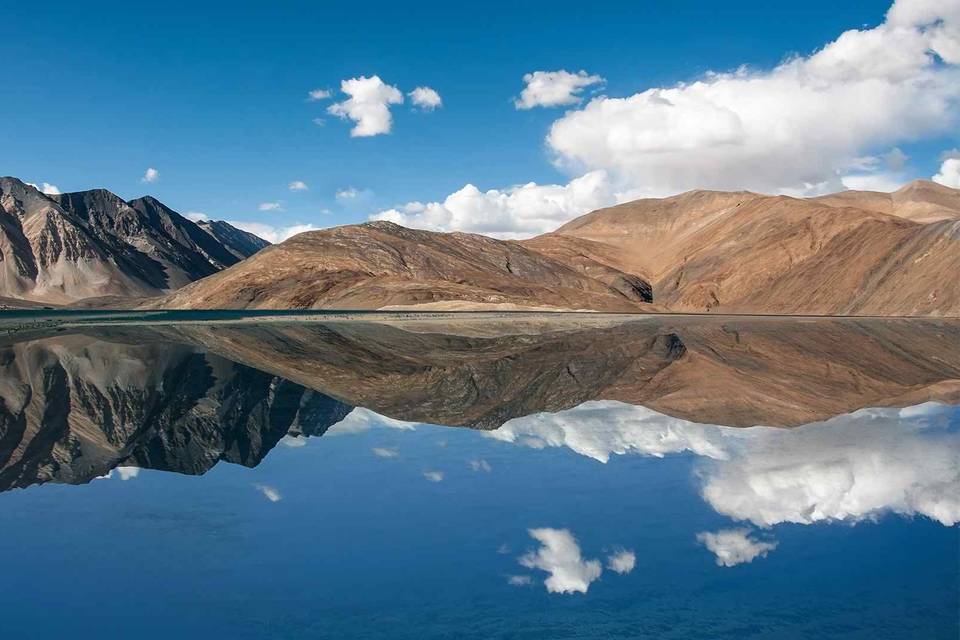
(383, 265)
(854, 253)
(744, 253)
(851, 253)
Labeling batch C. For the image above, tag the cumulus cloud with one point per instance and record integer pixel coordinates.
(425, 98)
(196, 216)
(270, 493)
(298, 185)
(516, 212)
(554, 88)
(949, 174)
(433, 476)
(622, 561)
(795, 127)
(271, 233)
(318, 94)
(385, 452)
(368, 105)
(150, 175)
(559, 555)
(270, 206)
(735, 546)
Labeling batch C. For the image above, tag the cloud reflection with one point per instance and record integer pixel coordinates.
(849, 468)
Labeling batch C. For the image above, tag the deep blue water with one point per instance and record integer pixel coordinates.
(328, 539)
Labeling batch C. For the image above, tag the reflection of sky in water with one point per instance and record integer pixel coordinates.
(387, 529)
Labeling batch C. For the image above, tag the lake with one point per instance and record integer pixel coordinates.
(478, 476)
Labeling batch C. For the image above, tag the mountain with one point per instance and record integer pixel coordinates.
(851, 253)
(74, 407)
(383, 265)
(67, 247)
(242, 244)
(920, 201)
(743, 252)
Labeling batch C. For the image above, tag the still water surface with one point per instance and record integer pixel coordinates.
(297, 480)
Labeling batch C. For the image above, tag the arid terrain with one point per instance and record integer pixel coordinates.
(850, 253)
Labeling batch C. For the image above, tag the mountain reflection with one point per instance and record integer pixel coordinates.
(181, 397)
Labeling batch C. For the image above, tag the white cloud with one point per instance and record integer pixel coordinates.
(319, 122)
(519, 581)
(318, 94)
(515, 212)
(554, 88)
(270, 493)
(46, 187)
(368, 105)
(196, 216)
(270, 206)
(559, 555)
(622, 561)
(433, 476)
(425, 98)
(385, 452)
(798, 124)
(601, 428)
(271, 233)
(480, 465)
(298, 185)
(735, 546)
(349, 193)
(360, 420)
(128, 473)
(885, 182)
(949, 174)
(150, 175)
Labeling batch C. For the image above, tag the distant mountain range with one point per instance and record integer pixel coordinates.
(850, 253)
(68, 247)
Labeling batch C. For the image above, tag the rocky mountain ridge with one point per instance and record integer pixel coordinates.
(67, 247)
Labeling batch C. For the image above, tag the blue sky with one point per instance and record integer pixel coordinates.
(214, 97)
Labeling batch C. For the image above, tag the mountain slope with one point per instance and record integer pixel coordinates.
(380, 264)
(747, 253)
(67, 247)
(242, 244)
(921, 201)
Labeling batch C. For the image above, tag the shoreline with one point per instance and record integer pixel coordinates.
(13, 322)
